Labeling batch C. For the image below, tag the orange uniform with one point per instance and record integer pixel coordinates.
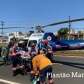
(40, 62)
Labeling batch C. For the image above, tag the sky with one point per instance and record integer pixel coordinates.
(28, 13)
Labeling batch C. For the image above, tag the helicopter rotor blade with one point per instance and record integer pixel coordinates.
(11, 27)
(63, 22)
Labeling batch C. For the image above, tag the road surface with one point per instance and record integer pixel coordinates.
(64, 65)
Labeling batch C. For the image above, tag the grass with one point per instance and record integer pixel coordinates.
(70, 53)
(3, 44)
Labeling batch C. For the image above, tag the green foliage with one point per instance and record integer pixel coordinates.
(3, 45)
(63, 32)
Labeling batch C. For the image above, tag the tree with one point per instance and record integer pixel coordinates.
(63, 33)
(80, 34)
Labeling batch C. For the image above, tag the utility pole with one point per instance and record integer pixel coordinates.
(2, 24)
(69, 26)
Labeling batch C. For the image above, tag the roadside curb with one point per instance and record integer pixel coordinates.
(1, 63)
(71, 56)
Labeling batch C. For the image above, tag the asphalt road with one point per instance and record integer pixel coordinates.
(64, 65)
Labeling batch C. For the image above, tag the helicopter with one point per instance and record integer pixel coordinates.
(54, 42)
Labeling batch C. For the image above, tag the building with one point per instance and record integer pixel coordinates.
(18, 35)
(3, 39)
(74, 35)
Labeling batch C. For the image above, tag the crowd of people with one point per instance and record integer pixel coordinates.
(36, 60)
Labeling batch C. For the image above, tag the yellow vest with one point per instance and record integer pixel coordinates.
(41, 61)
